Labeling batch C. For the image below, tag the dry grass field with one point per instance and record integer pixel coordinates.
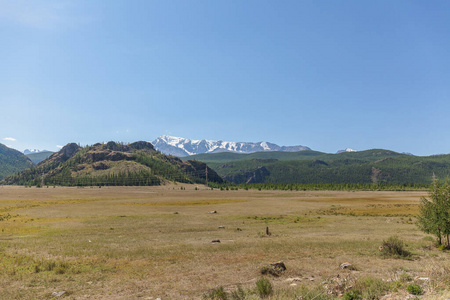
(155, 242)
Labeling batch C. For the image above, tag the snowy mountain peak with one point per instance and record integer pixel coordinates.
(30, 151)
(347, 150)
(179, 146)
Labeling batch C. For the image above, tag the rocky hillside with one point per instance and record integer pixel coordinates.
(12, 161)
(112, 164)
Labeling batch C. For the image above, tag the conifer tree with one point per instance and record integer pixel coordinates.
(434, 214)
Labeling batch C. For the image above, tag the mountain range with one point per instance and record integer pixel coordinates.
(180, 147)
(140, 163)
(112, 163)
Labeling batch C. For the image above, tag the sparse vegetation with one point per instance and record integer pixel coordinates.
(371, 288)
(217, 294)
(239, 293)
(264, 287)
(128, 242)
(415, 289)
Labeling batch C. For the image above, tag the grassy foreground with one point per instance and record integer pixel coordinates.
(155, 242)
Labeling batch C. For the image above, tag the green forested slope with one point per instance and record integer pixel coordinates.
(12, 161)
(372, 166)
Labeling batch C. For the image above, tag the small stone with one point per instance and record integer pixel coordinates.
(345, 265)
(58, 294)
(423, 278)
(292, 280)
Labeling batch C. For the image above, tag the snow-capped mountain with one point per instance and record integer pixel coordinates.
(183, 147)
(30, 151)
(346, 150)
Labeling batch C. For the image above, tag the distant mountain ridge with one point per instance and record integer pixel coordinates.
(179, 146)
(375, 166)
(31, 151)
(37, 156)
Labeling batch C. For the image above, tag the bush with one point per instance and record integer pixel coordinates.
(239, 294)
(441, 247)
(371, 288)
(312, 293)
(217, 294)
(264, 287)
(415, 289)
(352, 295)
(394, 246)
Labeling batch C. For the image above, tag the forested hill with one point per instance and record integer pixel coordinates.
(12, 161)
(112, 164)
(372, 166)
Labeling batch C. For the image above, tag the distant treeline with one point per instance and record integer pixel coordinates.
(323, 186)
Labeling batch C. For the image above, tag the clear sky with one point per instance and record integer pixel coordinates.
(324, 74)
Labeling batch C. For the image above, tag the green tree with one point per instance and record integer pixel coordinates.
(434, 214)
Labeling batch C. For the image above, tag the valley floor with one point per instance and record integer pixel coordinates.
(155, 242)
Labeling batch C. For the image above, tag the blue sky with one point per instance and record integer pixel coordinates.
(324, 74)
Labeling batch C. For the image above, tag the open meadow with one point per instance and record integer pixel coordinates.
(156, 242)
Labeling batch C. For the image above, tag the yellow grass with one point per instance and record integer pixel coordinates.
(149, 242)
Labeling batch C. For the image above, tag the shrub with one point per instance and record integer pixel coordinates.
(217, 294)
(239, 294)
(311, 293)
(264, 287)
(371, 288)
(394, 246)
(441, 247)
(405, 277)
(50, 265)
(352, 295)
(414, 289)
